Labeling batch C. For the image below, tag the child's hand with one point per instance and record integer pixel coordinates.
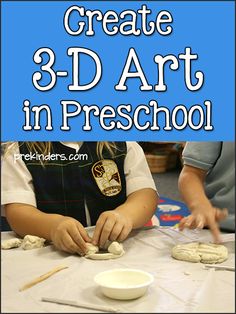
(111, 225)
(70, 236)
(205, 217)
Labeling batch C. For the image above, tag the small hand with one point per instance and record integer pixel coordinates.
(70, 236)
(201, 218)
(111, 225)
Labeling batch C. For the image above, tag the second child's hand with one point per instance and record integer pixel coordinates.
(205, 218)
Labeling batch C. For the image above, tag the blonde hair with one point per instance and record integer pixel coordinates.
(46, 147)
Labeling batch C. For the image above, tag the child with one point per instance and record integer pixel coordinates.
(54, 189)
(207, 184)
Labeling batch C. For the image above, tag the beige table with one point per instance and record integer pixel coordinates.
(178, 286)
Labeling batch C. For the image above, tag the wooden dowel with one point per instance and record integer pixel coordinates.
(97, 307)
(42, 277)
(222, 267)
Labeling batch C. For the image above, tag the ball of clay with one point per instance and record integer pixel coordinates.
(32, 242)
(207, 253)
(115, 248)
(10, 243)
(91, 249)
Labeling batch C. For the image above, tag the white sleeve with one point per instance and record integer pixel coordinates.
(137, 173)
(17, 186)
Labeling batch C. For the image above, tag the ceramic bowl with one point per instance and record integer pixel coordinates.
(124, 284)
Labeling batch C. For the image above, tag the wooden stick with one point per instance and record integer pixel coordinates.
(222, 267)
(97, 307)
(42, 277)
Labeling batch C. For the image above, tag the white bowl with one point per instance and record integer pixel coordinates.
(124, 284)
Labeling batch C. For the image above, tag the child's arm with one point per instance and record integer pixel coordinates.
(66, 233)
(191, 186)
(115, 225)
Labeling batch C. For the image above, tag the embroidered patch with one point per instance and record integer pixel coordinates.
(107, 177)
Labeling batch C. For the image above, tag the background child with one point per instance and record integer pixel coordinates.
(55, 189)
(207, 185)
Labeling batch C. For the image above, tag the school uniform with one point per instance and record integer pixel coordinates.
(74, 181)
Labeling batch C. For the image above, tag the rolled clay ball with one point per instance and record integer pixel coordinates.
(91, 249)
(115, 248)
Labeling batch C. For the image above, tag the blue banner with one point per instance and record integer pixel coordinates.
(118, 70)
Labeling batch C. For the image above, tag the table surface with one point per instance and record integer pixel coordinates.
(178, 286)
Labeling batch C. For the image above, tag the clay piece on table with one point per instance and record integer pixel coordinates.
(11, 243)
(207, 253)
(91, 249)
(114, 250)
(32, 242)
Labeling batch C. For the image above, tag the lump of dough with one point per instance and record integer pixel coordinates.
(115, 248)
(10, 243)
(207, 253)
(212, 253)
(186, 252)
(32, 242)
(91, 249)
